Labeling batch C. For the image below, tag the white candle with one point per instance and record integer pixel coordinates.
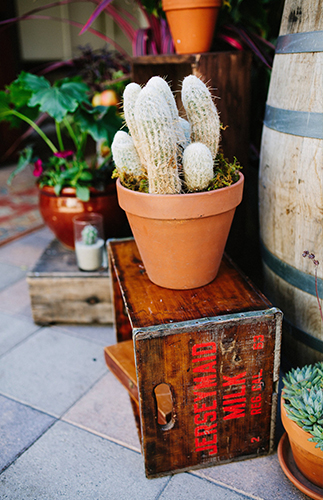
(89, 257)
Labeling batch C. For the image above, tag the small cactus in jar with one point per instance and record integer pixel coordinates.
(89, 235)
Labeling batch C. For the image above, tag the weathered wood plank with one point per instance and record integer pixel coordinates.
(148, 304)
(61, 293)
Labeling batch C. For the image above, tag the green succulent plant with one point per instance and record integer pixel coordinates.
(303, 399)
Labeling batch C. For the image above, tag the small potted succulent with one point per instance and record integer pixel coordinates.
(178, 191)
(302, 417)
(89, 244)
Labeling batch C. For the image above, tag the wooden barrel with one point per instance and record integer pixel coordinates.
(291, 179)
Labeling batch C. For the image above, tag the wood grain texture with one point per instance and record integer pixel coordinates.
(70, 300)
(61, 293)
(217, 348)
(291, 175)
(300, 16)
(148, 304)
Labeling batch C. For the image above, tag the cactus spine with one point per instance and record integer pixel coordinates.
(197, 166)
(157, 139)
(201, 113)
(125, 155)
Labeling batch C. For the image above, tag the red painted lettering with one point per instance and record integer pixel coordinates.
(205, 417)
(256, 412)
(258, 342)
(235, 380)
(202, 395)
(234, 401)
(204, 443)
(236, 394)
(204, 382)
(205, 430)
(203, 350)
(255, 440)
(204, 407)
(255, 399)
(234, 411)
(208, 367)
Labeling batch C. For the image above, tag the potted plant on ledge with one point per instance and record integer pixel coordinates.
(177, 190)
(68, 183)
(302, 417)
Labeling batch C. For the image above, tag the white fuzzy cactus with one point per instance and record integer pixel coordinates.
(158, 141)
(156, 131)
(130, 97)
(163, 88)
(201, 113)
(197, 166)
(125, 155)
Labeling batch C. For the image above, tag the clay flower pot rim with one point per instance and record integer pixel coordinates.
(190, 4)
(181, 206)
(71, 191)
(298, 434)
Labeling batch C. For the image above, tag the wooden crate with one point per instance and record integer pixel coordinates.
(61, 293)
(218, 350)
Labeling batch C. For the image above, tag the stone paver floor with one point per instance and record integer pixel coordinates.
(66, 424)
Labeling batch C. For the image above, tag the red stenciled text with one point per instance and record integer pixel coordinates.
(205, 404)
(234, 403)
(256, 399)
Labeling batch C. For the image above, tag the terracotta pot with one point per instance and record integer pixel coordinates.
(308, 459)
(58, 212)
(192, 23)
(181, 237)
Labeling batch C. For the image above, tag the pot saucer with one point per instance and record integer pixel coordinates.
(287, 463)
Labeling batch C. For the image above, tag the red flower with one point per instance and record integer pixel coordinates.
(38, 169)
(64, 154)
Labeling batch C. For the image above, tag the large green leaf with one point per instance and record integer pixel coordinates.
(58, 101)
(100, 125)
(32, 82)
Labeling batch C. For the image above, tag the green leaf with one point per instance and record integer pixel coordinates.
(19, 94)
(4, 105)
(59, 101)
(83, 193)
(32, 82)
(99, 125)
(57, 189)
(86, 176)
(25, 159)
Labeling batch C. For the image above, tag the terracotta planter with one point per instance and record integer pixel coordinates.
(58, 212)
(308, 459)
(181, 237)
(192, 23)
